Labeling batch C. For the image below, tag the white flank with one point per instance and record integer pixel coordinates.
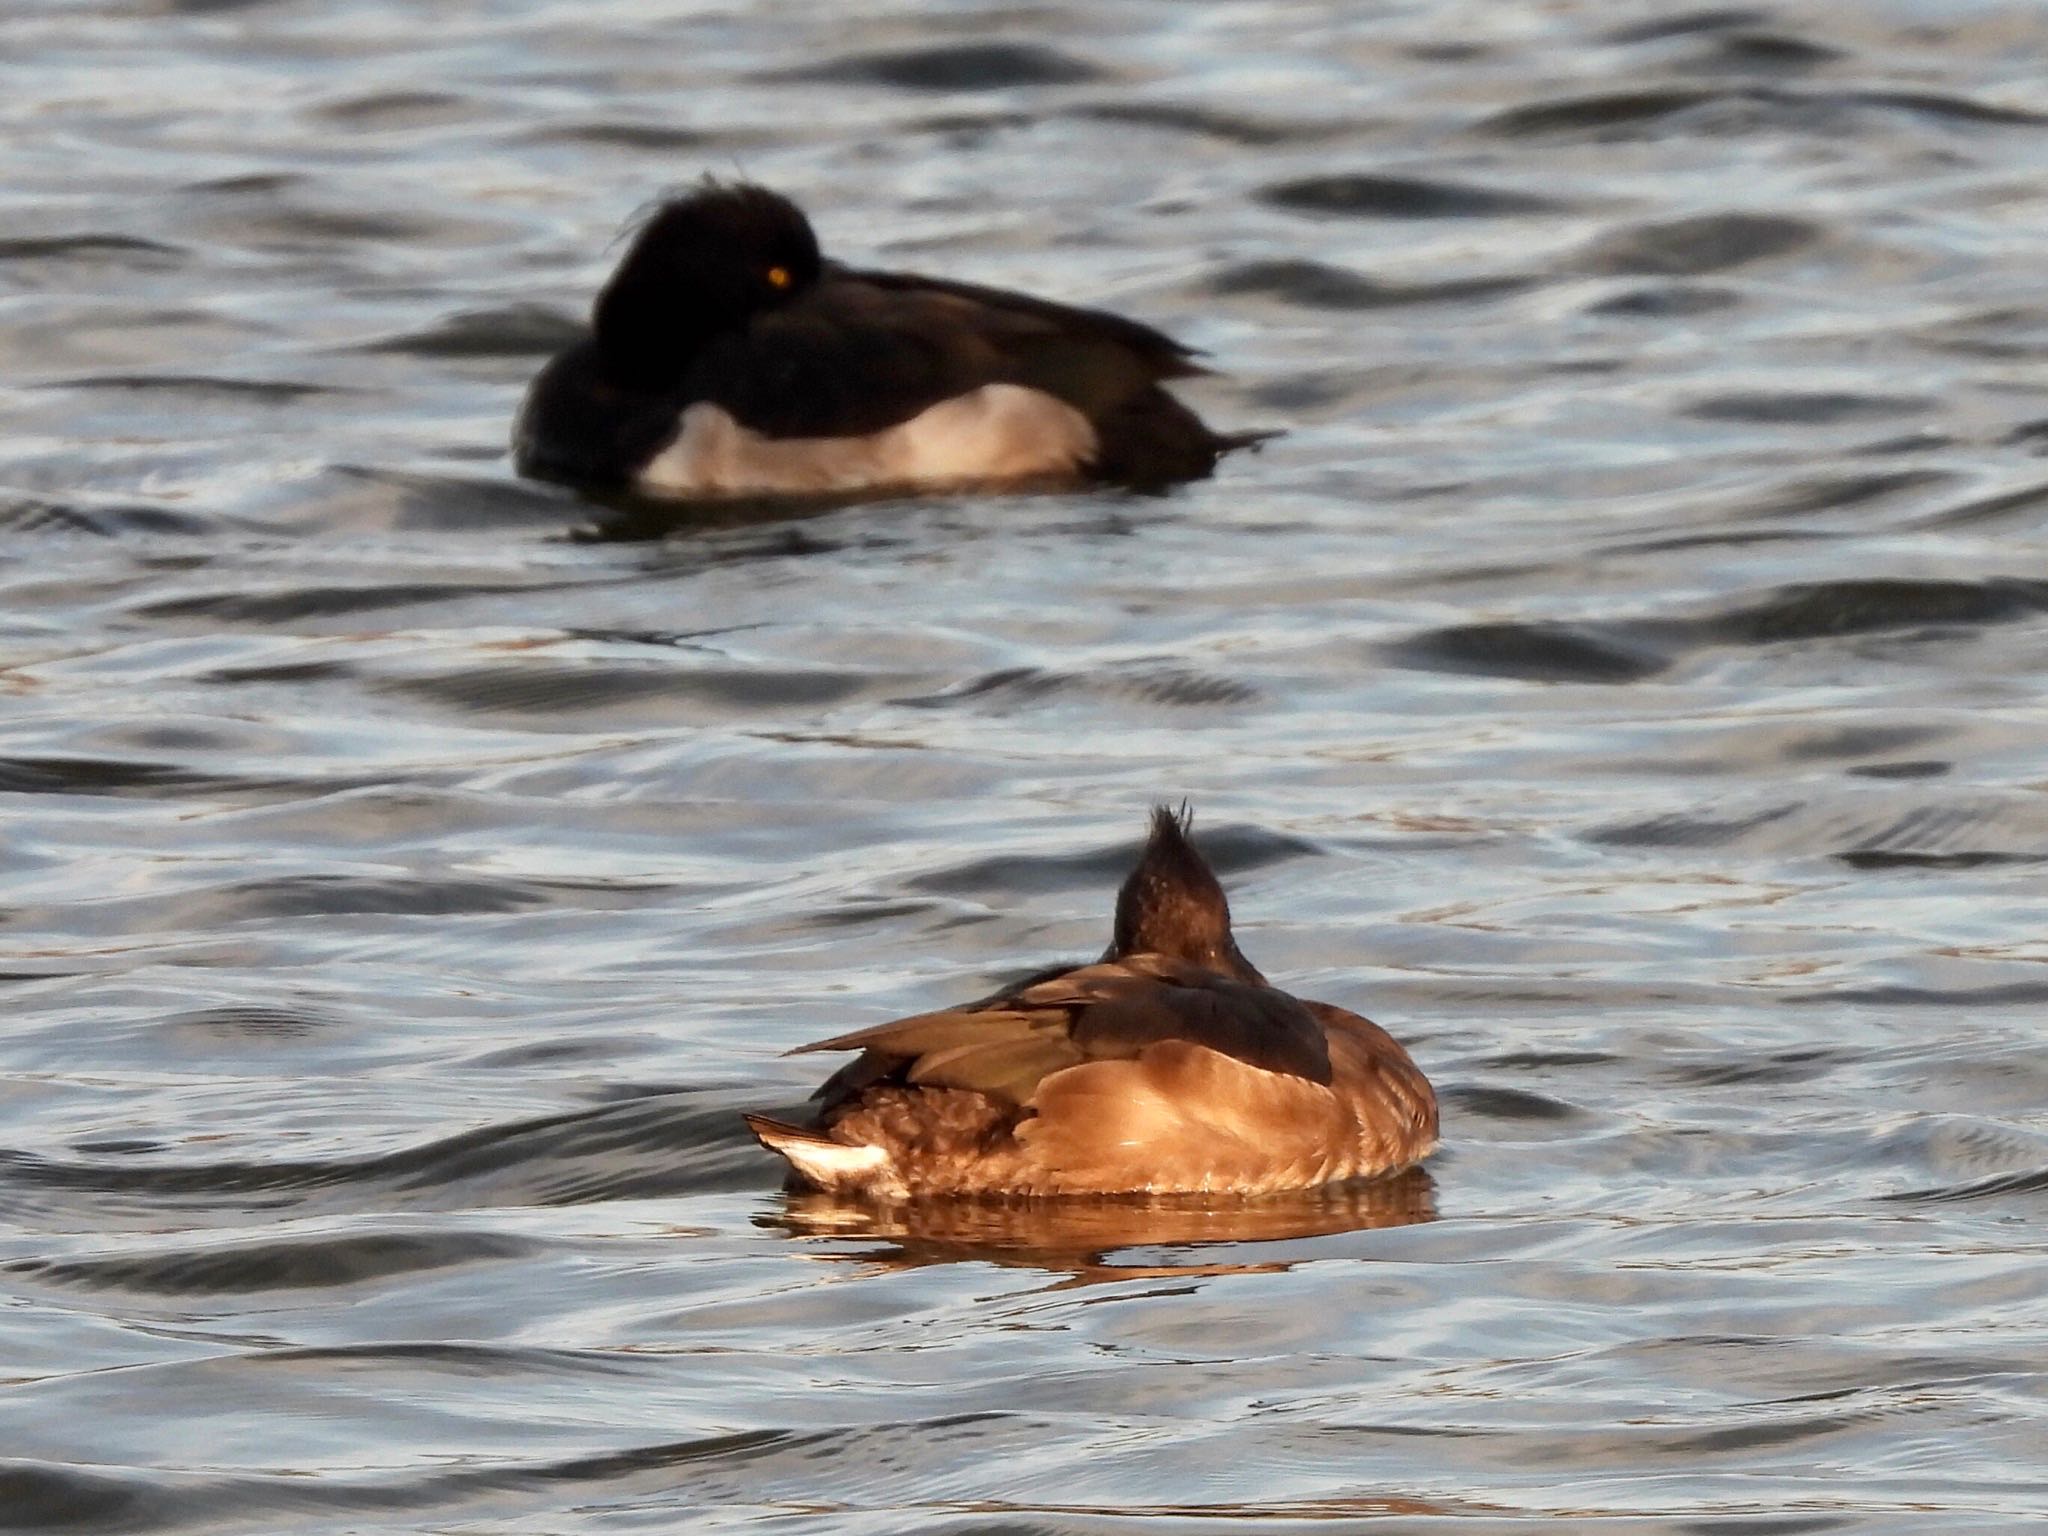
(830, 1165)
(997, 432)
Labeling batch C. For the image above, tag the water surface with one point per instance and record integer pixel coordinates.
(1625, 681)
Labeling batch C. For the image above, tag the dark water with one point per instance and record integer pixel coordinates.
(1628, 681)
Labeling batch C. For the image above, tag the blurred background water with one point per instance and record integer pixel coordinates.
(1625, 681)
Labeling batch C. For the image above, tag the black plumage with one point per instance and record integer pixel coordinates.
(723, 299)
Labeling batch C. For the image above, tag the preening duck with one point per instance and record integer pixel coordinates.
(1169, 1066)
(728, 357)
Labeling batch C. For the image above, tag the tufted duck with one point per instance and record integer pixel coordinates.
(1168, 1066)
(727, 357)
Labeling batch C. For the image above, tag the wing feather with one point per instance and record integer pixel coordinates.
(865, 351)
(926, 1032)
(1112, 1010)
(1007, 1069)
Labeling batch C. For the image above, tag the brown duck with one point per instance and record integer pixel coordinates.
(1169, 1066)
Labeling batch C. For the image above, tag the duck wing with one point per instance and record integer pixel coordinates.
(864, 351)
(1375, 1073)
(1006, 1045)
(1161, 355)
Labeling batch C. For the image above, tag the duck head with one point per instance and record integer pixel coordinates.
(1172, 904)
(703, 263)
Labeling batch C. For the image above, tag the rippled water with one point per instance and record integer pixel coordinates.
(1625, 681)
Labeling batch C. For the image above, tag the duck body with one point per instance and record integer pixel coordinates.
(1168, 1067)
(727, 357)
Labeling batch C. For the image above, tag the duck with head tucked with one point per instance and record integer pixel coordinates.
(728, 357)
(1169, 1066)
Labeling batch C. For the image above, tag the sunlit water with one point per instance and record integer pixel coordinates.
(1625, 681)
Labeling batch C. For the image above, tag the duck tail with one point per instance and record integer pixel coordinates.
(1254, 439)
(816, 1161)
(1153, 441)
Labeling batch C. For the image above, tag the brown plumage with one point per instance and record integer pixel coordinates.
(1168, 1066)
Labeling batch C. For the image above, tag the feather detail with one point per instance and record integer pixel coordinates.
(1172, 1067)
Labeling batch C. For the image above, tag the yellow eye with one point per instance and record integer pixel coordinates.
(778, 277)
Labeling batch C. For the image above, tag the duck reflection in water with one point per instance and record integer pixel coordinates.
(1169, 1067)
(1107, 1238)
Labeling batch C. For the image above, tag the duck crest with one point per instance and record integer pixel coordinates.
(1172, 903)
(701, 263)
